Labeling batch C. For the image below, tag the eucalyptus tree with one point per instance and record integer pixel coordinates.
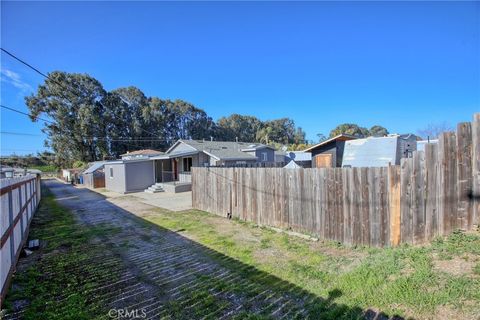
(241, 127)
(73, 102)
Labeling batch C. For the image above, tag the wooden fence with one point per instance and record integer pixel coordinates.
(19, 199)
(430, 194)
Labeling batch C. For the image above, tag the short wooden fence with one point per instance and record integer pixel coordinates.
(19, 200)
(428, 195)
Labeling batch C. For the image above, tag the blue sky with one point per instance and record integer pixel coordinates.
(402, 65)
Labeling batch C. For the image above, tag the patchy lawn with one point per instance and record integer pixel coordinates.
(120, 253)
(438, 281)
(55, 282)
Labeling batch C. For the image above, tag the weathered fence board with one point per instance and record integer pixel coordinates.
(475, 192)
(19, 200)
(430, 194)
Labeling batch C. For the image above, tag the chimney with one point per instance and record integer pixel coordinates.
(236, 139)
(211, 138)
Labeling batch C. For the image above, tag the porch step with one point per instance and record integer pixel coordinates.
(157, 187)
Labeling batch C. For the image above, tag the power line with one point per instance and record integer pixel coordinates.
(138, 139)
(24, 113)
(91, 137)
(25, 63)
(55, 81)
(20, 134)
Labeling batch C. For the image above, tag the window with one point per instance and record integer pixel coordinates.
(187, 164)
(111, 173)
(264, 156)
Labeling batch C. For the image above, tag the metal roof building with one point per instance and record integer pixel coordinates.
(378, 151)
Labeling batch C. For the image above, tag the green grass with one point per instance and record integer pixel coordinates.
(398, 281)
(62, 267)
(405, 281)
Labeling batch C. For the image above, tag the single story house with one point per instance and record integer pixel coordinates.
(94, 175)
(176, 163)
(329, 153)
(378, 151)
(171, 171)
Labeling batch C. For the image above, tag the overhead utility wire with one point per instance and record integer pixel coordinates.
(99, 139)
(50, 78)
(24, 113)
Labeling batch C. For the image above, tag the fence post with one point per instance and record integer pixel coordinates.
(394, 204)
(20, 206)
(12, 227)
(475, 194)
(464, 175)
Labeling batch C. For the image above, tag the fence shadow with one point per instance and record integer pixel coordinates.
(183, 279)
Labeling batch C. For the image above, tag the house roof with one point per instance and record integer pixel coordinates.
(370, 152)
(341, 137)
(123, 161)
(144, 152)
(95, 166)
(223, 150)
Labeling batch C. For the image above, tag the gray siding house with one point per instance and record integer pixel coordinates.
(154, 171)
(125, 176)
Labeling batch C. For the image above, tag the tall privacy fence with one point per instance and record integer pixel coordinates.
(430, 194)
(19, 199)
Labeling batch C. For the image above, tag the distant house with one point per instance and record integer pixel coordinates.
(280, 156)
(154, 171)
(6, 172)
(301, 158)
(378, 151)
(329, 153)
(94, 175)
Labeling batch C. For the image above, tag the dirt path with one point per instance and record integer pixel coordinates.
(162, 274)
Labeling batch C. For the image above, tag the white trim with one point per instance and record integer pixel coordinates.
(173, 156)
(211, 155)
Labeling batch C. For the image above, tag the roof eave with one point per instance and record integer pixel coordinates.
(349, 137)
